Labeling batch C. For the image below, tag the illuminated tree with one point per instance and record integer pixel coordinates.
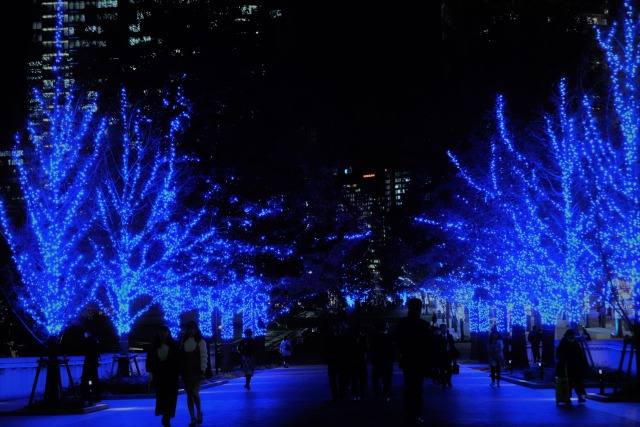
(56, 162)
(565, 196)
(613, 170)
(151, 245)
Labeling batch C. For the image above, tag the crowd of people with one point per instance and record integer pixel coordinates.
(422, 349)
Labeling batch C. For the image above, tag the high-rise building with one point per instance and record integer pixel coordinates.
(224, 49)
(373, 195)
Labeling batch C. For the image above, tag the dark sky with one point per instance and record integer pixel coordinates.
(15, 32)
(371, 71)
(378, 80)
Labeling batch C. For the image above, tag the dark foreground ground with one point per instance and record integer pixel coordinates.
(299, 396)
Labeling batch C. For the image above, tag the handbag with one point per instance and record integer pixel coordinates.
(455, 368)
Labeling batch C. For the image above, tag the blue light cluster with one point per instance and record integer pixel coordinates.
(107, 226)
(552, 223)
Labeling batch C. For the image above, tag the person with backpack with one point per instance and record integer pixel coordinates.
(285, 351)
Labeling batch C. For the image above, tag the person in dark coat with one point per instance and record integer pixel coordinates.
(163, 366)
(535, 338)
(337, 348)
(495, 354)
(193, 366)
(415, 343)
(572, 363)
(446, 352)
(382, 354)
(360, 349)
(90, 380)
(247, 349)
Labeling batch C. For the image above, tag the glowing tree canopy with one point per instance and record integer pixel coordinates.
(56, 165)
(151, 246)
(554, 215)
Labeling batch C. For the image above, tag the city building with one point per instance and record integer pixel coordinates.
(372, 195)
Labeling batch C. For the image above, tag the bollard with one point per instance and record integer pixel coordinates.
(601, 381)
(541, 370)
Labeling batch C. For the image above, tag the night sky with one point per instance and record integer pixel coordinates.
(16, 35)
(378, 82)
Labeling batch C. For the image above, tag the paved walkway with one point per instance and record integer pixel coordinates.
(299, 396)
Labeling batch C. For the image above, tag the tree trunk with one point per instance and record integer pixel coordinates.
(53, 392)
(548, 345)
(479, 346)
(226, 363)
(123, 357)
(518, 356)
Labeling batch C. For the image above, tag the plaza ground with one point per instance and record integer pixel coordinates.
(299, 396)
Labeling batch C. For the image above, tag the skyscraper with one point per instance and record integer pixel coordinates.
(373, 195)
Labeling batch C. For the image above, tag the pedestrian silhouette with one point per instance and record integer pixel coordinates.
(247, 349)
(495, 353)
(446, 353)
(415, 342)
(572, 363)
(382, 355)
(359, 373)
(90, 381)
(285, 351)
(193, 366)
(535, 338)
(163, 365)
(336, 349)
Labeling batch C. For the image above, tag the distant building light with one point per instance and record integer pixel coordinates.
(369, 175)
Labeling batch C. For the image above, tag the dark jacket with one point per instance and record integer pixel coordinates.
(247, 347)
(571, 357)
(446, 349)
(414, 340)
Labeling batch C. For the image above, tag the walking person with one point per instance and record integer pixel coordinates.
(193, 365)
(495, 352)
(415, 342)
(446, 353)
(162, 366)
(90, 381)
(359, 364)
(572, 363)
(285, 351)
(247, 349)
(337, 360)
(535, 338)
(382, 354)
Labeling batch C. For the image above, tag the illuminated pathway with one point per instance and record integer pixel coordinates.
(299, 396)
